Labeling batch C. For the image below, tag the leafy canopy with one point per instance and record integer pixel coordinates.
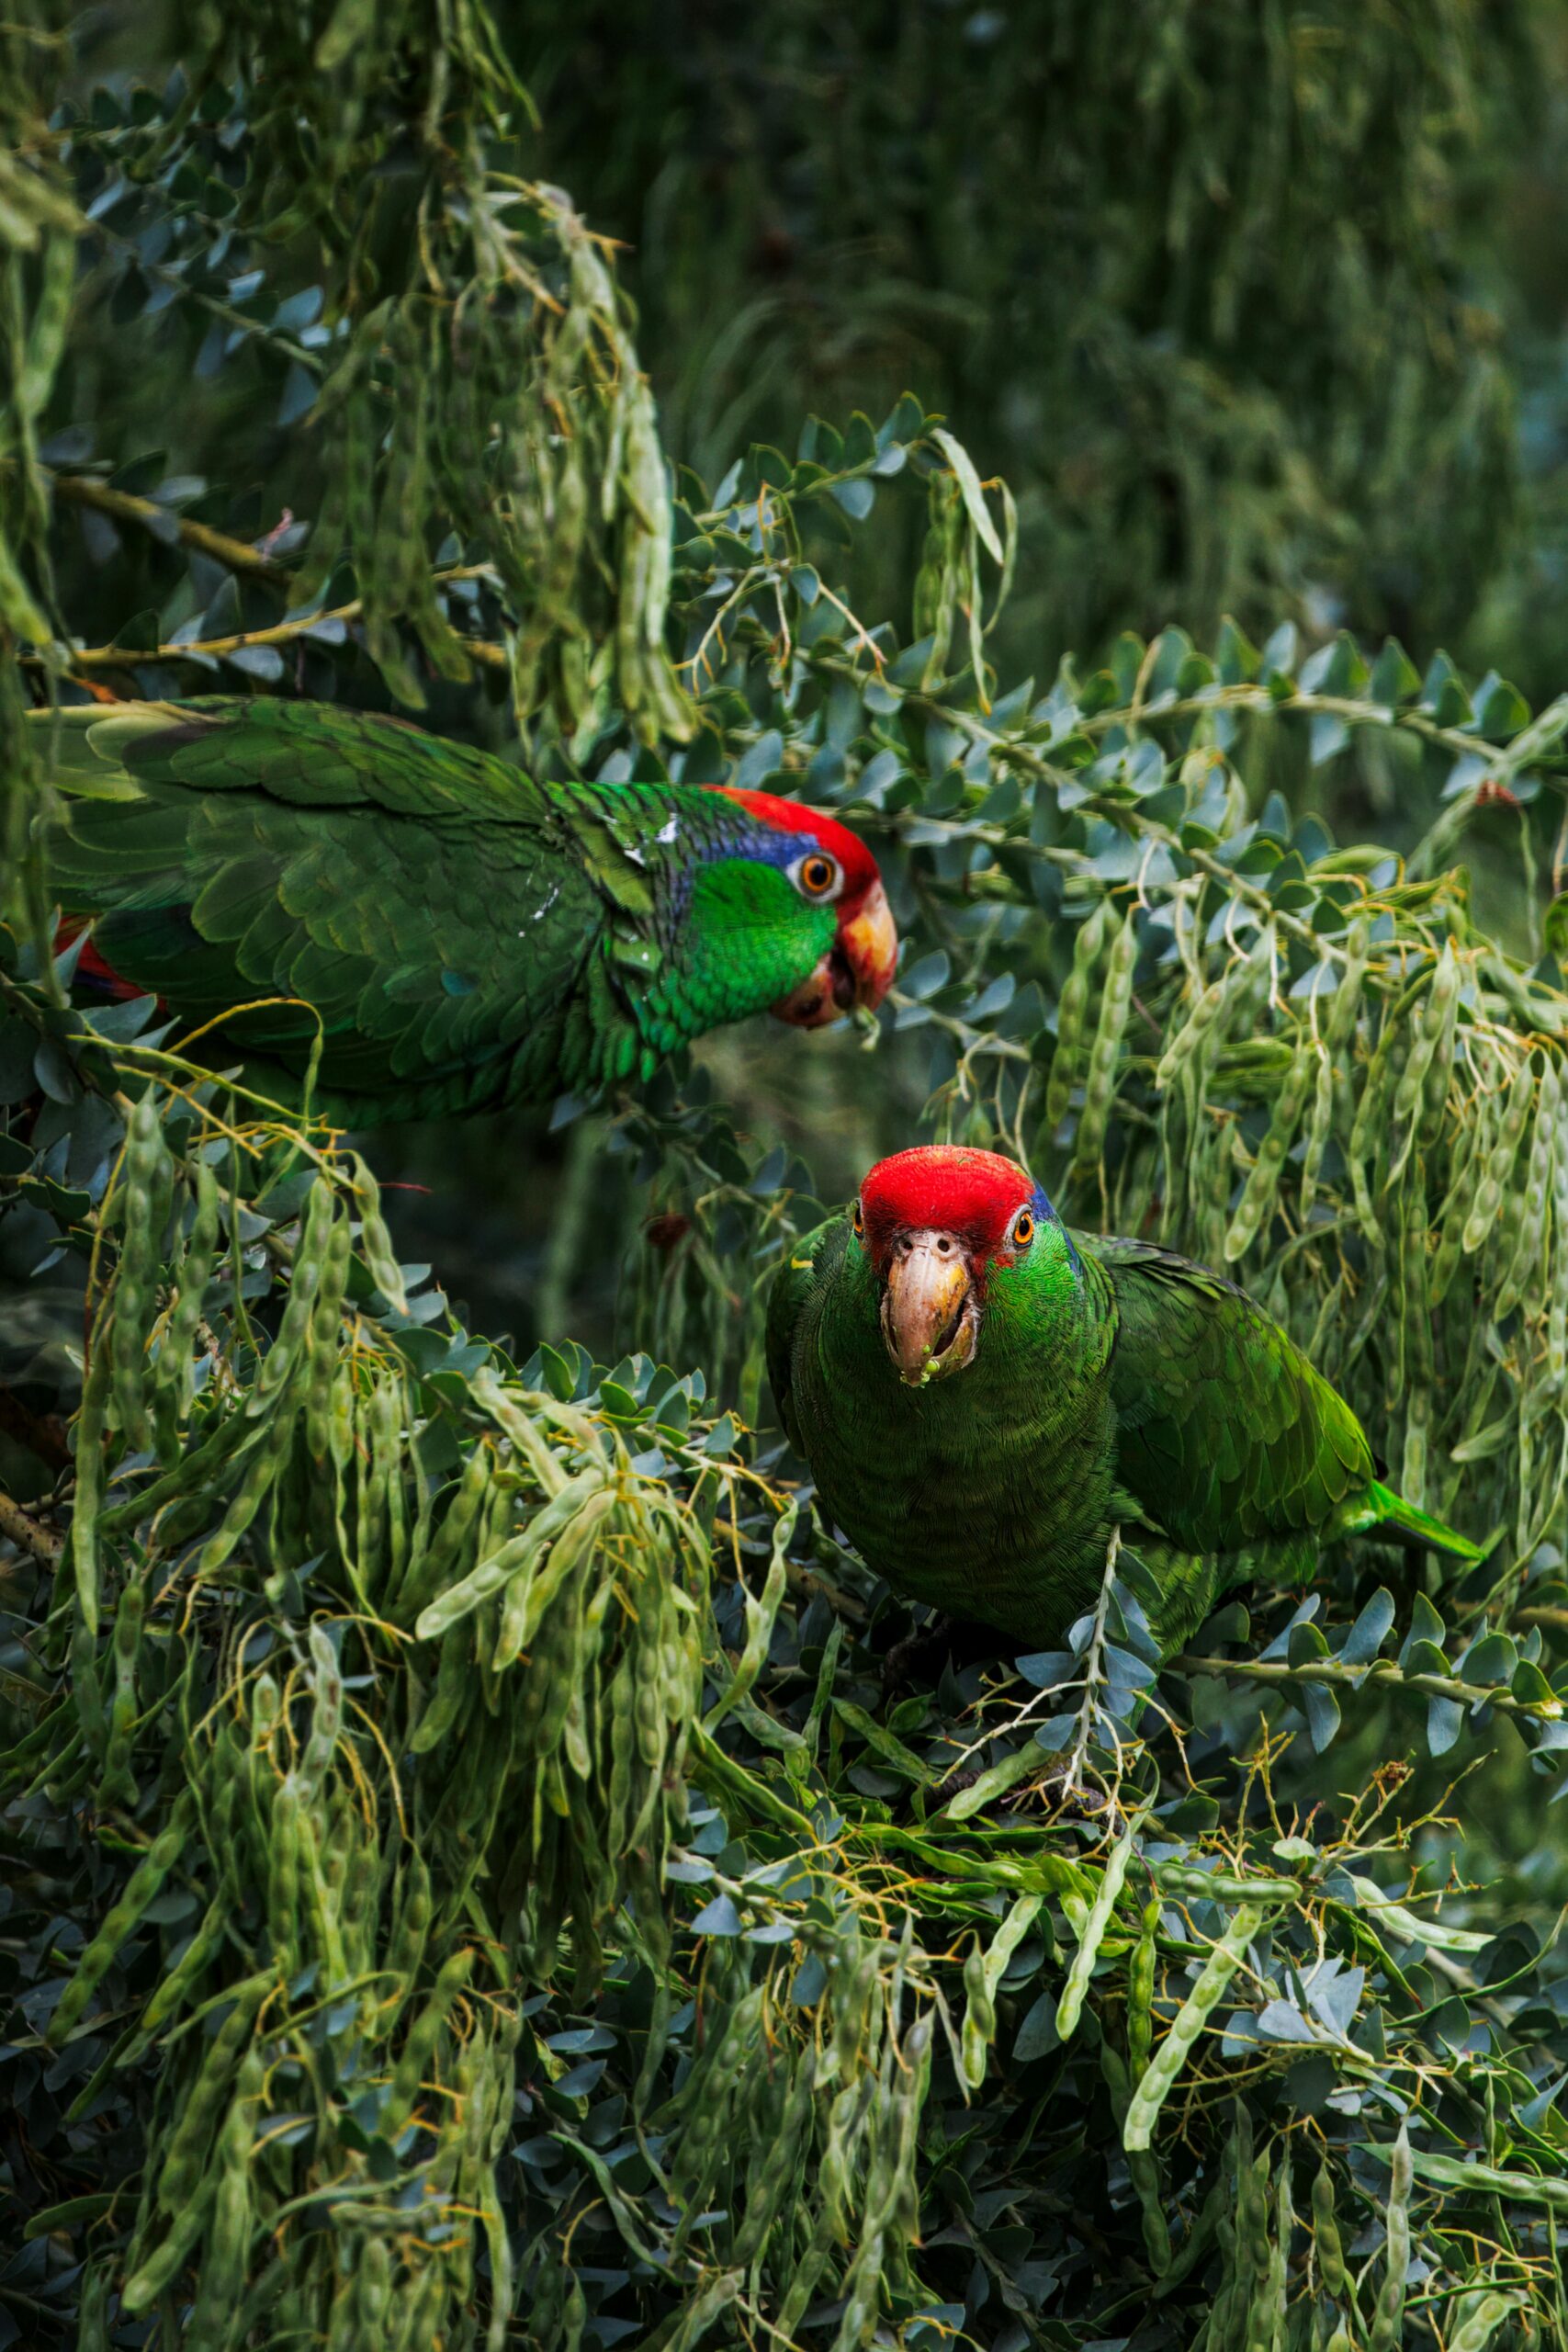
(466, 1873)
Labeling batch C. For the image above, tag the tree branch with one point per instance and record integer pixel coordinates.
(29, 1535)
(1382, 1670)
(85, 490)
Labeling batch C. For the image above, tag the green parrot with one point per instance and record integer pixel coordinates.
(986, 1399)
(468, 936)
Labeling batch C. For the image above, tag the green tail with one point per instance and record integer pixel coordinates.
(1385, 1508)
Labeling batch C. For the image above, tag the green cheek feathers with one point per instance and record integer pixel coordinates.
(748, 938)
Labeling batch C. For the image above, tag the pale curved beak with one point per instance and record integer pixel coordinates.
(856, 971)
(931, 1321)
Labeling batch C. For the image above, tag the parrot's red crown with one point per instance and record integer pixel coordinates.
(948, 1189)
(859, 867)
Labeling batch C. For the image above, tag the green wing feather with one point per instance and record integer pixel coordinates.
(1228, 1436)
(811, 1262)
(432, 903)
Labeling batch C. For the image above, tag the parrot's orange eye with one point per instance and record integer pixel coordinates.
(816, 874)
(1024, 1230)
(857, 1222)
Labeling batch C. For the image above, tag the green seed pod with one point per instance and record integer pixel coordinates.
(87, 1519)
(419, 2048)
(1387, 2333)
(489, 1578)
(305, 1277)
(326, 1317)
(1500, 1160)
(1371, 1112)
(283, 1880)
(375, 1241)
(1070, 2006)
(1436, 1023)
(148, 1181)
(1100, 1086)
(145, 1882)
(87, 1690)
(1073, 1013)
(979, 2017)
(157, 2271)
(326, 1720)
(1325, 2234)
(1262, 1187)
(118, 1784)
(1140, 1992)
(1557, 1310)
(1477, 2329)
(262, 1474)
(1190, 2018)
(1529, 1210)
(188, 1971)
(531, 1588)
(1186, 1041)
(184, 2157)
(454, 1688)
(1476, 1130)
(224, 2259)
(172, 1380)
(1345, 1005)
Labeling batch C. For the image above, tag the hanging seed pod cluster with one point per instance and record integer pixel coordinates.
(375, 1667)
(463, 370)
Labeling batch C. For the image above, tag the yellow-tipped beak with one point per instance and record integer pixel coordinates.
(870, 945)
(929, 1320)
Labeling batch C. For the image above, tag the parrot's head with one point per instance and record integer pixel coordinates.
(801, 898)
(959, 1241)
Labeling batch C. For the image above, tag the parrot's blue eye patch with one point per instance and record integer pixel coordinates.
(1043, 1211)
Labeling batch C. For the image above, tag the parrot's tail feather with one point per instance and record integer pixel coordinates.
(1392, 1515)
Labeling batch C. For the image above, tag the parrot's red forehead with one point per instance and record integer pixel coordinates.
(947, 1187)
(860, 868)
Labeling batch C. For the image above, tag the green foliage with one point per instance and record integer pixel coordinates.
(471, 1871)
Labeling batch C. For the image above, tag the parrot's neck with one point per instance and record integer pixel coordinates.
(725, 934)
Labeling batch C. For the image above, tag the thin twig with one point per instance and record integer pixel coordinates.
(85, 490)
(1382, 1670)
(284, 632)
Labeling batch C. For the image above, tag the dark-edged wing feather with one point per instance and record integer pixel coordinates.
(428, 901)
(1227, 1435)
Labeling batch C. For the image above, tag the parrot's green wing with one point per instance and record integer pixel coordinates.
(808, 1266)
(432, 903)
(1227, 1435)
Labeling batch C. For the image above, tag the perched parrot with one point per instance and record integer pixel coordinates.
(985, 1399)
(468, 935)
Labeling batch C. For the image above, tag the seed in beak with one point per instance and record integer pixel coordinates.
(929, 1320)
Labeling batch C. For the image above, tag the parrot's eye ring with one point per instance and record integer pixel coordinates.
(857, 1222)
(816, 874)
(1022, 1229)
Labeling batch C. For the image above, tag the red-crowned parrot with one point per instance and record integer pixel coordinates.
(468, 934)
(985, 1399)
